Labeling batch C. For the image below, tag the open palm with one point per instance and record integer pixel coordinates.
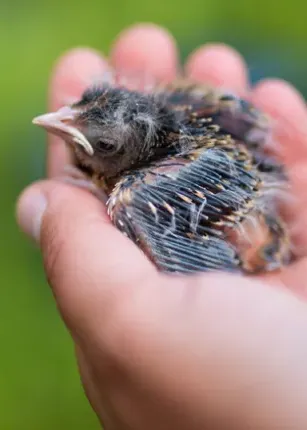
(175, 352)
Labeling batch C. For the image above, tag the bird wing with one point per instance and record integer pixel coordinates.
(178, 211)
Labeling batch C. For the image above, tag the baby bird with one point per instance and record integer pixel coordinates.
(186, 173)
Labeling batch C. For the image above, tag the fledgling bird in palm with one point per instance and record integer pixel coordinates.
(186, 173)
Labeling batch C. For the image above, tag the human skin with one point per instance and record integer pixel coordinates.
(161, 352)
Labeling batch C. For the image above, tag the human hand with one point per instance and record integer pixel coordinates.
(161, 352)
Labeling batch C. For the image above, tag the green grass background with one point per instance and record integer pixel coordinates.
(39, 384)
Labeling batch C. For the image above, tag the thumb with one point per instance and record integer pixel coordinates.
(89, 264)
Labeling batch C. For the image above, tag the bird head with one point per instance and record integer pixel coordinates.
(111, 130)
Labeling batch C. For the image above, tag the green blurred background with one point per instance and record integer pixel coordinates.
(39, 384)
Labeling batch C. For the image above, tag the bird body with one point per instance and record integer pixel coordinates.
(186, 172)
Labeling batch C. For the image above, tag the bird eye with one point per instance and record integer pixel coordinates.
(102, 145)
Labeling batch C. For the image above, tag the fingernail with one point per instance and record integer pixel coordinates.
(30, 212)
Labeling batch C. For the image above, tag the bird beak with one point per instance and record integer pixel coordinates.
(59, 123)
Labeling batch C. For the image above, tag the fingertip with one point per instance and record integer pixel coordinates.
(30, 208)
(287, 108)
(54, 197)
(280, 98)
(146, 48)
(220, 65)
(74, 71)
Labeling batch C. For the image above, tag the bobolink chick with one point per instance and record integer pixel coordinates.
(186, 173)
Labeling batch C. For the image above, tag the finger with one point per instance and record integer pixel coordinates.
(89, 264)
(288, 110)
(146, 49)
(219, 65)
(74, 72)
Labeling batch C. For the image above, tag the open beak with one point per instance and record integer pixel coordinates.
(59, 123)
